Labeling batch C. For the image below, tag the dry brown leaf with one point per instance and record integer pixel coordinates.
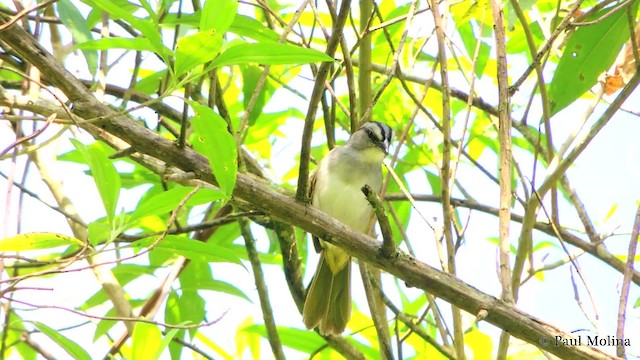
(624, 67)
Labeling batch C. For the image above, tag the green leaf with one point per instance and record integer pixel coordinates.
(125, 273)
(192, 309)
(196, 49)
(152, 14)
(146, 340)
(269, 53)
(37, 241)
(434, 181)
(496, 241)
(213, 140)
(77, 25)
(150, 83)
(218, 15)
(71, 347)
(99, 231)
(167, 201)
(252, 28)
(191, 249)
(166, 340)
(172, 316)
(590, 51)
(140, 44)
(611, 212)
(219, 286)
(470, 38)
(298, 339)
(13, 333)
(104, 174)
(250, 76)
(480, 343)
(148, 29)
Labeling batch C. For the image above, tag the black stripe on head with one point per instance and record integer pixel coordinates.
(379, 134)
(376, 131)
(385, 130)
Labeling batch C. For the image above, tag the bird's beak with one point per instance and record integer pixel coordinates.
(384, 146)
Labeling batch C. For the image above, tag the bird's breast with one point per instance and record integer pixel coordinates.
(342, 197)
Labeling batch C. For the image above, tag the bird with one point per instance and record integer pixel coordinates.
(335, 188)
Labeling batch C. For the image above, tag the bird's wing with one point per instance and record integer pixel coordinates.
(312, 185)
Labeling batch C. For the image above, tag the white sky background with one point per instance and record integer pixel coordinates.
(605, 174)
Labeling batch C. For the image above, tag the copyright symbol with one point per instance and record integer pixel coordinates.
(544, 341)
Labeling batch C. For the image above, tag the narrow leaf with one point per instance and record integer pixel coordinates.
(218, 15)
(192, 309)
(77, 25)
(146, 27)
(166, 340)
(213, 140)
(252, 28)
(191, 249)
(196, 49)
(250, 77)
(104, 174)
(590, 51)
(269, 53)
(298, 339)
(167, 201)
(219, 286)
(146, 340)
(140, 44)
(37, 241)
(71, 347)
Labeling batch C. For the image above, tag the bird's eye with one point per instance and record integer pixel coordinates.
(372, 135)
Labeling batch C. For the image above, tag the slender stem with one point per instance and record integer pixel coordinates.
(316, 94)
(504, 136)
(379, 320)
(364, 72)
(263, 294)
(388, 245)
(626, 282)
(446, 174)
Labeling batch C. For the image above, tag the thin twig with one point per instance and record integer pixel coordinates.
(378, 320)
(123, 319)
(241, 131)
(546, 47)
(596, 250)
(394, 66)
(626, 281)
(25, 12)
(418, 330)
(504, 136)
(364, 73)
(263, 294)
(603, 17)
(316, 94)
(445, 172)
(388, 246)
(25, 338)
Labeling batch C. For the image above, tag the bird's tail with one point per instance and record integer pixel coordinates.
(328, 302)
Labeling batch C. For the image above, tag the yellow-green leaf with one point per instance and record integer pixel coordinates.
(146, 340)
(72, 348)
(37, 241)
(213, 140)
(269, 53)
(196, 49)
